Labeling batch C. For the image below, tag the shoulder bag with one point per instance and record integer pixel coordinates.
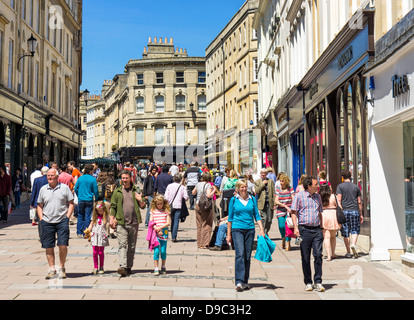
(340, 216)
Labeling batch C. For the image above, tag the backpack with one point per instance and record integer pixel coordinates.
(109, 190)
(205, 204)
(217, 181)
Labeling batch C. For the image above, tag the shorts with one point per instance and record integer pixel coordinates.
(51, 230)
(352, 224)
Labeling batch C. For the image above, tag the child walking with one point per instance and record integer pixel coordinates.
(160, 214)
(99, 228)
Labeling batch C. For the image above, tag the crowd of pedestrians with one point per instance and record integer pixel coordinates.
(110, 204)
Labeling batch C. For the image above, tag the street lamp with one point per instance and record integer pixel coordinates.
(32, 43)
(85, 96)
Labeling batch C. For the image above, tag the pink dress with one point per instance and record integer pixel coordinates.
(329, 221)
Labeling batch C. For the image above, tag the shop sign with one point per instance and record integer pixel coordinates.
(345, 57)
(399, 85)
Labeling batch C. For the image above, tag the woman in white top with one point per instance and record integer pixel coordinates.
(174, 194)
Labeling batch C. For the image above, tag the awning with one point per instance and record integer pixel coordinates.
(99, 161)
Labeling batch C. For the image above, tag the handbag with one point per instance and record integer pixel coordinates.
(289, 221)
(289, 232)
(184, 211)
(340, 216)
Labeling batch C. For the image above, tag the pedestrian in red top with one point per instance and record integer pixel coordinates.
(5, 189)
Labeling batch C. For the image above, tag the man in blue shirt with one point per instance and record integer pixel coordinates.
(86, 188)
(162, 181)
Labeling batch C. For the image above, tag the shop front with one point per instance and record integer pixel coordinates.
(327, 118)
(391, 148)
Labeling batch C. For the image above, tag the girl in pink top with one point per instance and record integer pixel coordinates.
(160, 214)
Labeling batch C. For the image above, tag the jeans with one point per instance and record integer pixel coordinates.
(4, 208)
(282, 227)
(221, 235)
(175, 222)
(17, 198)
(312, 240)
(85, 209)
(191, 197)
(147, 216)
(243, 244)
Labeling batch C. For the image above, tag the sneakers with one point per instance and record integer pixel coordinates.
(62, 273)
(309, 287)
(354, 251)
(156, 272)
(51, 274)
(163, 270)
(215, 248)
(246, 286)
(239, 287)
(318, 287)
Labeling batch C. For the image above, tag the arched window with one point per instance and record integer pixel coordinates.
(180, 102)
(159, 103)
(201, 102)
(140, 104)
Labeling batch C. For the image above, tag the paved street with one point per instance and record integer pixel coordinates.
(193, 273)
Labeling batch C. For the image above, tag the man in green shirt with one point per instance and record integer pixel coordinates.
(125, 216)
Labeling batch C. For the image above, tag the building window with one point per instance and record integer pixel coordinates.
(180, 135)
(140, 79)
(159, 136)
(179, 77)
(159, 104)
(139, 136)
(103, 129)
(256, 112)
(180, 102)
(255, 69)
(84, 152)
(201, 77)
(10, 66)
(159, 77)
(103, 149)
(140, 104)
(201, 102)
(201, 135)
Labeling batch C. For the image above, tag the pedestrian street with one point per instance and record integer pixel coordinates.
(192, 273)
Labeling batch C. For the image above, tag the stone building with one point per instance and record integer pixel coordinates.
(232, 105)
(156, 110)
(39, 92)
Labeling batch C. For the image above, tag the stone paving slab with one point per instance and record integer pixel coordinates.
(193, 273)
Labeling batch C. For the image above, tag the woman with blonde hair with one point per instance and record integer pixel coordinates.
(283, 199)
(243, 213)
(231, 181)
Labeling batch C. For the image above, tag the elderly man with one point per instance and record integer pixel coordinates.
(307, 219)
(55, 206)
(265, 191)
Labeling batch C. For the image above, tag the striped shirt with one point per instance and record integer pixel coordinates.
(160, 219)
(307, 208)
(285, 197)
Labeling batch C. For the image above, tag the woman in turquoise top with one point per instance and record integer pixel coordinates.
(243, 213)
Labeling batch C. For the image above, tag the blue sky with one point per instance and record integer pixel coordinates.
(116, 31)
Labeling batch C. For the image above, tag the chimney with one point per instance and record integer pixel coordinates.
(149, 41)
(171, 40)
(155, 39)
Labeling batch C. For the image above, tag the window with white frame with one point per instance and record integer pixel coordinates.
(139, 136)
(140, 104)
(159, 135)
(159, 77)
(140, 79)
(180, 102)
(180, 135)
(255, 69)
(159, 104)
(179, 77)
(10, 66)
(201, 102)
(201, 77)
